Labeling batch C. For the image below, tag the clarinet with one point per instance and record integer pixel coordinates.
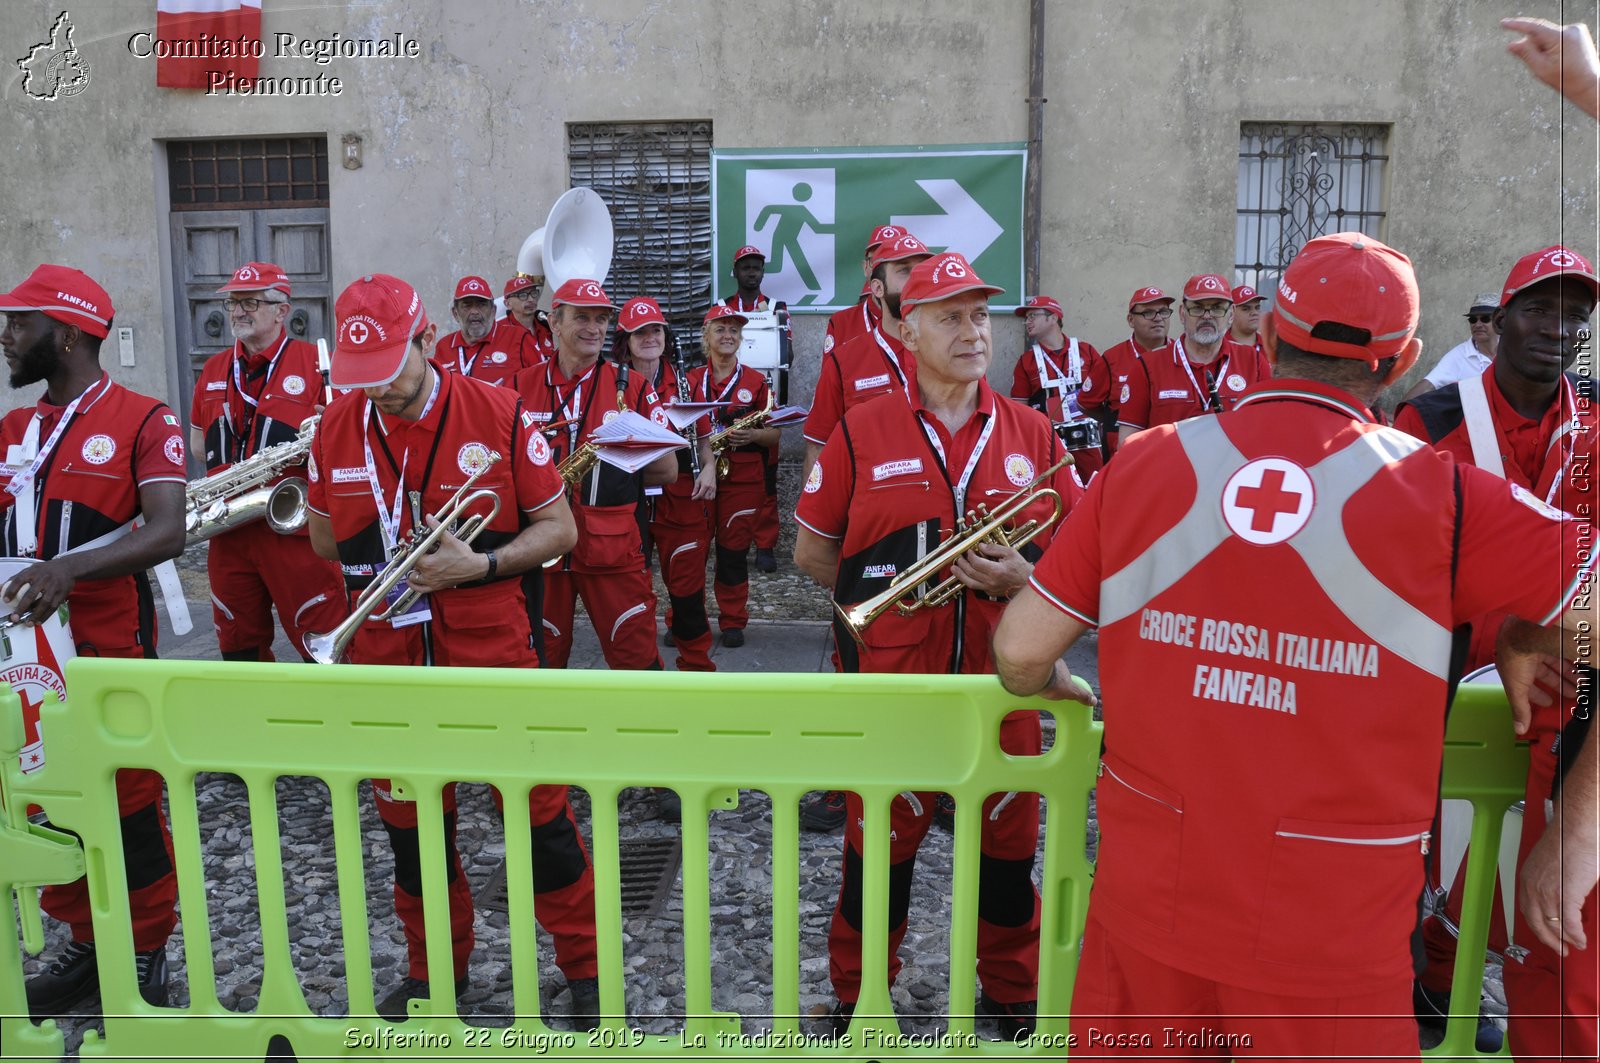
(681, 368)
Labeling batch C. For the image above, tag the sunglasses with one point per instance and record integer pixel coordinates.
(1479, 319)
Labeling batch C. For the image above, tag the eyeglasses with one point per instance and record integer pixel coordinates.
(526, 293)
(1031, 314)
(1479, 319)
(1209, 310)
(250, 306)
(1153, 315)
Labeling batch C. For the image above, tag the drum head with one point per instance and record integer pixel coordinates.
(32, 660)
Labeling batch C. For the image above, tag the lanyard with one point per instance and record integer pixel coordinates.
(22, 486)
(462, 362)
(727, 389)
(1208, 394)
(894, 360)
(242, 433)
(959, 488)
(573, 410)
(389, 516)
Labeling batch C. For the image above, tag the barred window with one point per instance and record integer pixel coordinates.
(656, 179)
(248, 174)
(1299, 181)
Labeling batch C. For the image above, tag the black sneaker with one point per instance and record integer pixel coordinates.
(765, 561)
(70, 977)
(824, 813)
(151, 968)
(733, 638)
(944, 814)
(585, 1003)
(1433, 1011)
(395, 1006)
(1016, 1021)
(839, 1018)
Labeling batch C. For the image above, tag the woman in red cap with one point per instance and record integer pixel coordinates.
(741, 492)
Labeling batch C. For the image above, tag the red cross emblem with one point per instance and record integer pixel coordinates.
(1267, 501)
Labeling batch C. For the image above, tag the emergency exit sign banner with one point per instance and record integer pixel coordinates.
(812, 210)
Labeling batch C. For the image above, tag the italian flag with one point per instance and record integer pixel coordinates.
(206, 35)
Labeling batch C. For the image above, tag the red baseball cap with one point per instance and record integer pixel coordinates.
(747, 250)
(1207, 286)
(257, 277)
(1148, 295)
(939, 278)
(721, 311)
(1041, 302)
(377, 317)
(63, 294)
(885, 234)
(473, 288)
(1545, 265)
(580, 291)
(518, 283)
(637, 313)
(901, 247)
(1351, 279)
(1245, 294)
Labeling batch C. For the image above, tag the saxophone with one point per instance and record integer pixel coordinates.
(680, 367)
(719, 440)
(239, 494)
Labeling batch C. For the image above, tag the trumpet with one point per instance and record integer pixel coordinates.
(239, 494)
(330, 648)
(980, 526)
(720, 442)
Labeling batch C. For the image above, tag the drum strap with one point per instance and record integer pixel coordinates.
(1480, 426)
(166, 575)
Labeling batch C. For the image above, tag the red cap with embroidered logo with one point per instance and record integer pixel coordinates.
(885, 234)
(257, 277)
(1544, 265)
(747, 250)
(473, 288)
(901, 247)
(722, 312)
(1349, 279)
(637, 313)
(580, 291)
(521, 282)
(377, 317)
(1245, 294)
(1207, 286)
(63, 294)
(939, 278)
(1148, 295)
(1041, 302)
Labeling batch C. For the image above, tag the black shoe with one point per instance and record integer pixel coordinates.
(733, 638)
(765, 561)
(667, 639)
(669, 806)
(151, 969)
(944, 814)
(839, 1018)
(1433, 1011)
(70, 977)
(395, 1006)
(1016, 1021)
(824, 813)
(585, 1003)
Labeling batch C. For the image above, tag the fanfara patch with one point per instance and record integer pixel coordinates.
(1537, 504)
(311, 468)
(498, 358)
(611, 415)
(827, 344)
(173, 449)
(814, 481)
(1127, 392)
(294, 385)
(903, 467)
(472, 458)
(97, 450)
(744, 395)
(1019, 470)
(538, 449)
(1235, 381)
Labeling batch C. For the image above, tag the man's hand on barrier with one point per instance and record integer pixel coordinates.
(38, 591)
(1559, 873)
(1064, 686)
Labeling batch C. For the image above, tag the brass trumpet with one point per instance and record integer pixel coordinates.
(330, 648)
(719, 442)
(982, 525)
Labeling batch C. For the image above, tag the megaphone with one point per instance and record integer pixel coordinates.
(576, 240)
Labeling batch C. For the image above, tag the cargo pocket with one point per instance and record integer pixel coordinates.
(1141, 842)
(608, 538)
(1339, 893)
(484, 631)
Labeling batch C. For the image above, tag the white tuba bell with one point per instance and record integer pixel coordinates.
(574, 241)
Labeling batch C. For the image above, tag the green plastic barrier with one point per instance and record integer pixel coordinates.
(706, 737)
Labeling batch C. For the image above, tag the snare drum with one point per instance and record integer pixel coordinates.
(1080, 435)
(32, 660)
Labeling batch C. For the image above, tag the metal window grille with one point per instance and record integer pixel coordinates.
(656, 179)
(248, 174)
(1299, 181)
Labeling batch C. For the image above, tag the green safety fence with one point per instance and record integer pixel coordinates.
(705, 737)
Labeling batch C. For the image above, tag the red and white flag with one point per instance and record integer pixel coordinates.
(196, 37)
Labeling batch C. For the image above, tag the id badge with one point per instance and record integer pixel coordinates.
(421, 610)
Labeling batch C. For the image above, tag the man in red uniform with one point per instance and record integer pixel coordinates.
(80, 467)
(522, 307)
(1246, 330)
(405, 426)
(246, 399)
(1050, 374)
(1149, 310)
(483, 348)
(749, 269)
(1276, 592)
(579, 391)
(1199, 372)
(1530, 423)
(895, 474)
(859, 320)
(741, 493)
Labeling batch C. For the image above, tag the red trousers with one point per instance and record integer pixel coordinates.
(621, 605)
(681, 532)
(563, 880)
(1126, 1004)
(733, 524)
(252, 569)
(1008, 903)
(1086, 463)
(767, 519)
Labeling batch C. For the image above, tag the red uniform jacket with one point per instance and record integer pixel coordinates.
(866, 367)
(242, 404)
(1172, 388)
(506, 350)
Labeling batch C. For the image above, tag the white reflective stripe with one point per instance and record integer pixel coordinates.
(223, 609)
(627, 615)
(1107, 769)
(307, 604)
(911, 799)
(1403, 839)
(686, 546)
(741, 513)
(1480, 426)
(999, 806)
